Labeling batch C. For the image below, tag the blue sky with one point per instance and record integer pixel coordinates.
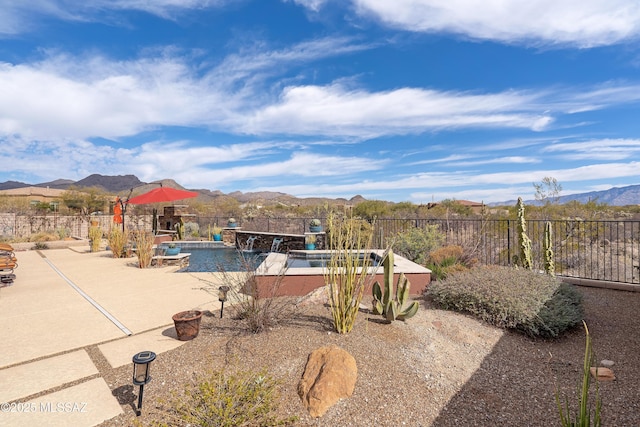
(403, 100)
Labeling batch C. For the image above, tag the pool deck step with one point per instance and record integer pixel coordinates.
(181, 259)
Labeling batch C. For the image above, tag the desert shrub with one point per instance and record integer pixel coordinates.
(227, 399)
(446, 260)
(63, 233)
(347, 271)
(43, 237)
(40, 246)
(258, 307)
(533, 303)
(348, 233)
(416, 243)
(191, 229)
(117, 239)
(95, 236)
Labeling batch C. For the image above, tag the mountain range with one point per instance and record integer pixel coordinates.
(123, 184)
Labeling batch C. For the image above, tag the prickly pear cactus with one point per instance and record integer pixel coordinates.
(549, 265)
(524, 242)
(388, 303)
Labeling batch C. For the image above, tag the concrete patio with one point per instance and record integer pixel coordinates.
(65, 300)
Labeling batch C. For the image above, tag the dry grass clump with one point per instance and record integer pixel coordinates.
(144, 247)
(43, 237)
(533, 303)
(117, 239)
(95, 236)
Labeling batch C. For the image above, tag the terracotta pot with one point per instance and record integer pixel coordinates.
(187, 324)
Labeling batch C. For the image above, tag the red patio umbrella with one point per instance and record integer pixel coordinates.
(158, 195)
(162, 194)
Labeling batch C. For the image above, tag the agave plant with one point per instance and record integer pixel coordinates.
(389, 303)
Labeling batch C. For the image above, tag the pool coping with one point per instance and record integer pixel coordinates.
(274, 264)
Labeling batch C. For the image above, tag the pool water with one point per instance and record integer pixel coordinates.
(220, 259)
(309, 260)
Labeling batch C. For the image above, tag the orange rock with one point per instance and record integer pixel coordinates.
(330, 375)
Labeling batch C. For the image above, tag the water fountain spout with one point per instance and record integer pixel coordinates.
(276, 244)
(249, 245)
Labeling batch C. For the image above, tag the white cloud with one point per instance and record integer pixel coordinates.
(79, 97)
(582, 23)
(313, 5)
(21, 16)
(98, 98)
(498, 160)
(18, 16)
(597, 149)
(490, 187)
(337, 110)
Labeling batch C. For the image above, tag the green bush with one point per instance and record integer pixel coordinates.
(533, 303)
(416, 243)
(227, 399)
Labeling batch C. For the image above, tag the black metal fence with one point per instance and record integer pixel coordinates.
(597, 250)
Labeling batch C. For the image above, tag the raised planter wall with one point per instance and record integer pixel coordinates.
(264, 241)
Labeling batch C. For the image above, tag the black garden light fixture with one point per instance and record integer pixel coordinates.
(141, 362)
(222, 297)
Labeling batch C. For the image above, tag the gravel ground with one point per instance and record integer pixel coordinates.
(437, 369)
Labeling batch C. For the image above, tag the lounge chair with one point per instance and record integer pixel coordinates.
(8, 263)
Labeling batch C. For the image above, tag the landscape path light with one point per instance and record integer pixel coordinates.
(222, 297)
(141, 362)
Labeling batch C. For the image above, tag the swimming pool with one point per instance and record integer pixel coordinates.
(220, 259)
(215, 257)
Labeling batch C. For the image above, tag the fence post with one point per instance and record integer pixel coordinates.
(509, 242)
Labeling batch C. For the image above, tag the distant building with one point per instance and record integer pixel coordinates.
(37, 195)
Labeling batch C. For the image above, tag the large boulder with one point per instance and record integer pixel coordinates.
(330, 375)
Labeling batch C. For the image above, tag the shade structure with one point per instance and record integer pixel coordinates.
(162, 194)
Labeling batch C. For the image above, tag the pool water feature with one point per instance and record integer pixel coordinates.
(275, 244)
(249, 246)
